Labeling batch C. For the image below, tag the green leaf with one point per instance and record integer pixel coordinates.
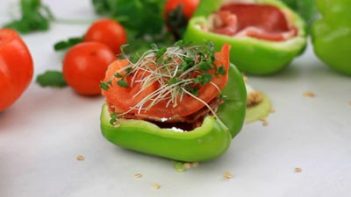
(51, 78)
(220, 71)
(105, 85)
(203, 79)
(65, 44)
(34, 17)
(122, 83)
(143, 17)
(205, 66)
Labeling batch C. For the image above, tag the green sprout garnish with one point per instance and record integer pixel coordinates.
(179, 71)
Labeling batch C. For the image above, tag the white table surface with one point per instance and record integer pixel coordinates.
(41, 135)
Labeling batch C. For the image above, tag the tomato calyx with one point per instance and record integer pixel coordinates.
(167, 84)
(260, 21)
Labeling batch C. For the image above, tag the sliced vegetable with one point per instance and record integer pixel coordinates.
(16, 67)
(165, 126)
(266, 30)
(331, 34)
(84, 66)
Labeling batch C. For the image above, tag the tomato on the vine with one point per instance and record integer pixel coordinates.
(84, 66)
(108, 32)
(16, 67)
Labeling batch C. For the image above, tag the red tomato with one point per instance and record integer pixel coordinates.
(189, 6)
(109, 32)
(121, 99)
(16, 67)
(84, 66)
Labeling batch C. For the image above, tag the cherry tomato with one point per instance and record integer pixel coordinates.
(109, 32)
(189, 6)
(121, 99)
(16, 67)
(84, 66)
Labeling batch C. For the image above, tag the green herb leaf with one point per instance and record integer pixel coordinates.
(177, 22)
(203, 79)
(205, 66)
(51, 79)
(104, 85)
(194, 91)
(144, 17)
(220, 71)
(34, 17)
(65, 44)
(173, 81)
(160, 52)
(118, 75)
(113, 119)
(122, 83)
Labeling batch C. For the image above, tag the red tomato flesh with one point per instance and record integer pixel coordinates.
(265, 22)
(121, 99)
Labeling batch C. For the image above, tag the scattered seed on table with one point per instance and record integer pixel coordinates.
(80, 157)
(264, 122)
(309, 94)
(297, 170)
(227, 175)
(156, 186)
(138, 175)
(272, 110)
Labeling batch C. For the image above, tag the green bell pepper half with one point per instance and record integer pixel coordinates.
(331, 34)
(206, 142)
(250, 55)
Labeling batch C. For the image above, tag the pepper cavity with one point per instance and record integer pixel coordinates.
(259, 21)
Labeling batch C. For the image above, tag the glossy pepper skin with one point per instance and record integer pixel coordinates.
(331, 34)
(203, 143)
(250, 55)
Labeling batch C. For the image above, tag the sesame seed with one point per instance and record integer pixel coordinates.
(80, 157)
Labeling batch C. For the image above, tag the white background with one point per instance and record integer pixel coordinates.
(41, 135)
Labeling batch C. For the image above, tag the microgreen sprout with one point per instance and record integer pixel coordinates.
(180, 70)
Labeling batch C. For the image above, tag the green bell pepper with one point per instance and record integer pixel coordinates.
(206, 142)
(331, 34)
(305, 8)
(251, 55)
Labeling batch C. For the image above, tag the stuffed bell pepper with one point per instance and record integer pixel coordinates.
(265, 35)
(185, 102)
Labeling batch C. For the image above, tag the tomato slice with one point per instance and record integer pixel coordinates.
(254, 20)
(121, 99)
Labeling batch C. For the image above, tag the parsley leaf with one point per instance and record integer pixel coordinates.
(34, 17)
(65, 44)
(122, 83)
(51, 78)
